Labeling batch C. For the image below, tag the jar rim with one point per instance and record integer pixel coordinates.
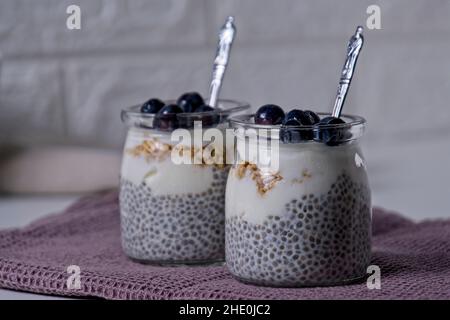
(246, 121)
(352, 129)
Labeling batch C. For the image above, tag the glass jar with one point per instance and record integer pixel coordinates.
(298, 211)
(172, 213)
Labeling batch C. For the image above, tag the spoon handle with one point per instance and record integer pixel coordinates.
(354, 47)
(226, 37)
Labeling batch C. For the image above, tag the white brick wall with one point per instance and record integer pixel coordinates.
(30, 27)
(287, 52)
(68, 86)
(97, 89)
(31, 102)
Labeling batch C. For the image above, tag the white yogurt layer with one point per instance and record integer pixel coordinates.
(305, 168)
(162, 175)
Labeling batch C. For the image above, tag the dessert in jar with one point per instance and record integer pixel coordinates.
(173, 213)
(172, 185)
(306, 220)
(298, 207)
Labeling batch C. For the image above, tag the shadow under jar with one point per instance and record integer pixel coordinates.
(298, 214)
(172, 213)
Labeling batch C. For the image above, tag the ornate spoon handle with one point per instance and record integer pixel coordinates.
(354, 47)
(226, 37)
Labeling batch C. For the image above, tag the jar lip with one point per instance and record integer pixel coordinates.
(246, 121)
(132, 116)
(330, 134)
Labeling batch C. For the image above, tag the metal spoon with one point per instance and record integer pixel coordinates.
(354, 47)
(226, 37)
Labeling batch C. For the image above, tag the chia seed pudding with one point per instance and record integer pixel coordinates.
(306, 222)
(170, 213)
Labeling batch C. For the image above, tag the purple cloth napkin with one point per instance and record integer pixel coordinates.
(414, 259)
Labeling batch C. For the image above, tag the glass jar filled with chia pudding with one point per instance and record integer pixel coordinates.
(173, 212)
(298, 203)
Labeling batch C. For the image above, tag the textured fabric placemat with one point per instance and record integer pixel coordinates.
(414, 259)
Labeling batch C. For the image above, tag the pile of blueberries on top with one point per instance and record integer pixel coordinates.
(166, 118)
(298, 125)
(166, 115)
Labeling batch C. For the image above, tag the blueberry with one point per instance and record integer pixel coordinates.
(309, 118)
(152, 106)
(170, 109)
(294, 114)
(166, 118)
(306, 118)
(293, 134)
(298, 118)
(292, 131)
(204, 108)
(207, 120)
(189, 101)
(291, 122)
(269, 114)
(331, 136)
(331, 120)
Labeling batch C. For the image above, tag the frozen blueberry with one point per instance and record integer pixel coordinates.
(152, 106)
(166, 118)
(189, 101)
(330, 136)
(269, 114)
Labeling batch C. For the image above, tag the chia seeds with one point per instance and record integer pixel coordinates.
(180, 228)
(318, 239)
